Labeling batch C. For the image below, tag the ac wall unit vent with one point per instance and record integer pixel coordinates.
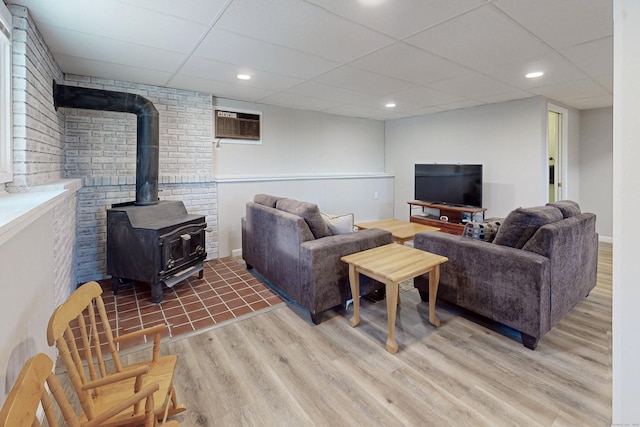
(237, 125)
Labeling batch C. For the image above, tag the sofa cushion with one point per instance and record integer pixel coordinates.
(485, 231)
(266, 200)
(522, 223)
(309, 212)
(568, 208)
(339, 224)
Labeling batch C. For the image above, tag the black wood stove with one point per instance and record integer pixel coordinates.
(159, 244)
(148, 240)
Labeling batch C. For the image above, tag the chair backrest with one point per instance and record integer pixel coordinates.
(21, 407)
(29, 393)
(81, 336)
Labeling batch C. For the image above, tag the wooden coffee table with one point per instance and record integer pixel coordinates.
(392, 264)
(401, 231)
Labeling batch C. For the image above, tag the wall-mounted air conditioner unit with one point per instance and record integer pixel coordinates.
(237, 125)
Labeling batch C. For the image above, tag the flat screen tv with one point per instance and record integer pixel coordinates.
(458, 185)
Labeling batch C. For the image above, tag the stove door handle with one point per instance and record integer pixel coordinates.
(185, 237)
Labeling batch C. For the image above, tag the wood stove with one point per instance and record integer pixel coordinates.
(158, 244)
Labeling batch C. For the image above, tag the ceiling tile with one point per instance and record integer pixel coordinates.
(90, 47)
(398, 19)
(318, 90)
(406, 62)
(480, 38)
(84, 67)
(299, 101)
(510, 96)
(562, 23)
(219, 71)
(586, 88)
(193, 10)
(426, 97)
(219, 89)
(472, 86)
(592, 102)
(595, 58)
(302, 26)
(362, 81)
(256, 54)
(557, 69)
(124, 22)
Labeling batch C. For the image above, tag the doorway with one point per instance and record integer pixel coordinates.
(555, 152)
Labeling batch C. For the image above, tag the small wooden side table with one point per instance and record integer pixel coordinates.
(392, 264)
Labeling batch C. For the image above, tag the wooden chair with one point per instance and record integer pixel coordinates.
(81, 336)
(21, 407)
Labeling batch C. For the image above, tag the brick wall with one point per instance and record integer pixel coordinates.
(37, 128)
(38, 141)
(101, 148)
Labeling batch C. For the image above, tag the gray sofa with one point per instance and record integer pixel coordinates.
(541, 263)
(289, 244)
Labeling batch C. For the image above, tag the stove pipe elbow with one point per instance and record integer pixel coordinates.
(148, 134)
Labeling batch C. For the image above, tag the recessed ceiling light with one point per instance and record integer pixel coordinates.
(534, 74)
(390, 104)
(243, 77)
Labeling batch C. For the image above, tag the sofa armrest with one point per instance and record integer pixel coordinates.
(321, 267)
(509, 285)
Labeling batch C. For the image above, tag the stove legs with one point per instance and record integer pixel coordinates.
(156, 292)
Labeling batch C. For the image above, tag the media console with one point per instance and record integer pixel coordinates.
(455, 214)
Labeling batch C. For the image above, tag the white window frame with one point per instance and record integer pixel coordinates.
(6, 143)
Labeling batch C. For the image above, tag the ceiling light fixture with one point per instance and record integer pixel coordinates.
(243, 77)
(534, 74)
(390, 104)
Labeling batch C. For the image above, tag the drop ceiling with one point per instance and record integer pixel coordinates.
(346, 57)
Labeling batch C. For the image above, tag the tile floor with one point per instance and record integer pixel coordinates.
(226, 291)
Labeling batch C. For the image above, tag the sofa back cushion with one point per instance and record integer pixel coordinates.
(309, 212)
(266, 200)
(522, 223)
(568, 208)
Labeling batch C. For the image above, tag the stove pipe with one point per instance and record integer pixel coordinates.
(148, 140)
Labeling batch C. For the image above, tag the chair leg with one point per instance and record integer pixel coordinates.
(172, 407)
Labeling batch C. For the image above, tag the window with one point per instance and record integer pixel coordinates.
(5, 95)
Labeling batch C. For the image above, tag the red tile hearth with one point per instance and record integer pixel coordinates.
(227, 291)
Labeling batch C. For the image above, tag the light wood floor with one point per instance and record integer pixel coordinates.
(278, 369)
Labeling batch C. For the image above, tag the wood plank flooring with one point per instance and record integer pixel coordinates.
(278, 369)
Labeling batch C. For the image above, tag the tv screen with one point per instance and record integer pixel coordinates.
(449, 184)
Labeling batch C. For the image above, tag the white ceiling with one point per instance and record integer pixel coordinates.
(347, 57)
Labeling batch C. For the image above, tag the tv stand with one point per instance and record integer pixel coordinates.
(453, 212)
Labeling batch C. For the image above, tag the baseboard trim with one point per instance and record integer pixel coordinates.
(236, 253)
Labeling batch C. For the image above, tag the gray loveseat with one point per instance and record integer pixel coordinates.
(289, 244)
(541, 263)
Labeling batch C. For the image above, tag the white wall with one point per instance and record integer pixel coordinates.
(26, 275)
(509, 139)
(626, 205)
(336, 195)
(334, 161)
(596, 167)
